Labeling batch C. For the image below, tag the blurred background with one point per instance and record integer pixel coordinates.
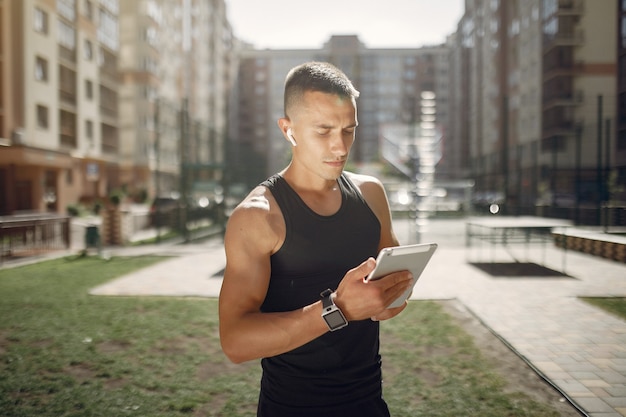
(157, 113)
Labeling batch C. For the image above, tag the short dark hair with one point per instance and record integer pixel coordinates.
(316, 76)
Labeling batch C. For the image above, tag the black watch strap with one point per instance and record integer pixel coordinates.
(326, 300)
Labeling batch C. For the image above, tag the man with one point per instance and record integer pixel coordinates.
(310, 228)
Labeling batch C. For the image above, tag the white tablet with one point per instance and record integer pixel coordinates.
(399, 258)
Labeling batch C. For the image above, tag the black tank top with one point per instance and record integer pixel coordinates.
(339, 367)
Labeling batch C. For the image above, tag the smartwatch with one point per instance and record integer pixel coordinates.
(331, 314)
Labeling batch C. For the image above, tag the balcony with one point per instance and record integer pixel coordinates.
(68, 141)
(110, 139)
(561, 128)
(108, 112)
(68, 97)
(571, 7)
(569, 38)
(67, 55)
(556, 72)
(560, 100)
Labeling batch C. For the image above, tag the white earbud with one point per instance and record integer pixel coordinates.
(290, 137)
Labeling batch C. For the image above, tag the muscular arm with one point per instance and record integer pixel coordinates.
(252, 235)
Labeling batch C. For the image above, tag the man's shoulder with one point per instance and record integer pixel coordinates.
(259, 207)
(363, 180)
(370, 187)
(256, 219)
(258, 201)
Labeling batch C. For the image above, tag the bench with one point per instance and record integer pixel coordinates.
(605, 245)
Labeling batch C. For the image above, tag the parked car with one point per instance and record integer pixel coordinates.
(164, 211)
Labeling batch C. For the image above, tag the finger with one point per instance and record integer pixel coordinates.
(397, 279)
(363, 270)
(392, 293)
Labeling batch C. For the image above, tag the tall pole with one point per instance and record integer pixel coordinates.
(579, 129)
(554, 142)
(599, 180)
(157, 171)
(518, 168)
(607, 154)
(535, 174)
(186, 40)
(505, 152)
(184, 119)
(184, 145)
(607, 174)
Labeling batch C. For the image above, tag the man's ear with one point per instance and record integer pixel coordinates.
(284, 125)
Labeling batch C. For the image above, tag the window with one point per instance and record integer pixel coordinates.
(112, 5)
(41, 69)
(149, 64)
(88, 10)
(89, 89)
(42, 117)
(108, 30)
(150, 36)
(88, 52)
(67, 37)
(89, 129)
(67, 81)
(67, 9)
(154, 11)
(40, 21)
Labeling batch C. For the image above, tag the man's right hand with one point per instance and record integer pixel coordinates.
(359, 299)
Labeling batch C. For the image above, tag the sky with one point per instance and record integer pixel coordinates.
(295, 24)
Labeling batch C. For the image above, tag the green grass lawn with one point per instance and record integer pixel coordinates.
(614, 305)
(66, 353)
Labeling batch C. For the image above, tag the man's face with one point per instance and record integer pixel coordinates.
(324, 127)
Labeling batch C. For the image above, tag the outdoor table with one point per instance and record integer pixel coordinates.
(508, 230)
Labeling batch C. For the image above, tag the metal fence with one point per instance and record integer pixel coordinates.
(606, 216)
(31, 234)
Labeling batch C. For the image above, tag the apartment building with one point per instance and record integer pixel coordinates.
(256, 146)
(176, 71)
(58, 102)
(391, 82)
(538, 96)
(100, 95)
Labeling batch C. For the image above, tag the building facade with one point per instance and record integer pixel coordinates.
(101, 96)
(391, 83)
(527, 100)
(176, 67)
(59, 136)
(536, 104)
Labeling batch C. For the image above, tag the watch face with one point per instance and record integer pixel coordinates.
(335, 319)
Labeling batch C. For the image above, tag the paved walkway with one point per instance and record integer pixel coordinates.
(578, 348)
